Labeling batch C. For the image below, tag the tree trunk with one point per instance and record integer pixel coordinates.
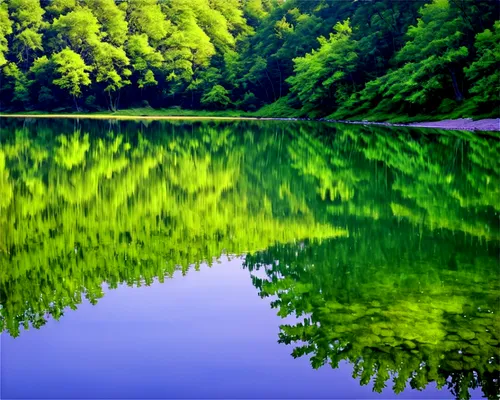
(265, 88)
(272, 85)
(111, 103)
(458, 94)
(281, 79)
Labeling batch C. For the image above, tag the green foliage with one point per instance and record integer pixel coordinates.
(16, 82)
(249, 102)
(216, 97)
(401, 58)
(484, 72)
(26, 16)
(72, 70)
(321, 77)
(145, 16)
(5, 30)
(58, 7)
(376, 59)
(143, 57)
(111, 67)
(111, 18)
(79, 29)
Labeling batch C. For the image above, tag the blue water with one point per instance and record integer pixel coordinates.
(364, 261)
(204, 335)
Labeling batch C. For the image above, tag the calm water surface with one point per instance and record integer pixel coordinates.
(247, 260)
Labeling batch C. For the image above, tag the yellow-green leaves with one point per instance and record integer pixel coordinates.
(72, 70)
(484, 72)
(321, 75)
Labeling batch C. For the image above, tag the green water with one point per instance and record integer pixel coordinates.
(382, 243)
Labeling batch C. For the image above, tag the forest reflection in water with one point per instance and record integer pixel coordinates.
(383, 243)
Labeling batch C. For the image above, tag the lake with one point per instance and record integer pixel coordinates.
(247, 259)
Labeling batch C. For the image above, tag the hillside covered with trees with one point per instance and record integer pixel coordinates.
(317, 58)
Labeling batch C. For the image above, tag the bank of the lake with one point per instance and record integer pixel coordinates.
(467, 124)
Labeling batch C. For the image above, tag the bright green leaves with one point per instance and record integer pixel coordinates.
(322, 76)
(218, 96)
(484, 72)
(439, 29)
(148, 79)
(382, 57)
(111, 64)
(144, 58)
(16, 82)
(58, 7)
(282, 28)
(26, 16)
(406, 58)
(71, 150)
(82, 31)
(430, 58)
(145, 16)
(255, 11)
(166, 47)
(429, 67)
(5, 30)
(79, 29)
(72, 70)
(112, 20)
(213, 23)
(142, 55)
(433, 51)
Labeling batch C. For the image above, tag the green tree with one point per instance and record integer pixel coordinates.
(58, 7)
(484, 72)
(78, 30)
(5, 31)
(436, 44)
(385, 58)
(26, 16)
(42, 74)
(322, 76)
(16, 85)
(144, 60)
(145, 16)
(111, 68)
(430, 62)
(72, 71)
(218, 96)
(112, 20)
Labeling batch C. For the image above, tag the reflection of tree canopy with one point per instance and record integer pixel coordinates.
(413, 293)
(392, 236)
(86, 208)
(393, 303)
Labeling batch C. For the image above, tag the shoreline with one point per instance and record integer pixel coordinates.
(463, 124)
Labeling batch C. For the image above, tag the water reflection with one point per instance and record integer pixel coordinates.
(385, 243)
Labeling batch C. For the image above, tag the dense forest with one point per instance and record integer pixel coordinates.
(311, 58)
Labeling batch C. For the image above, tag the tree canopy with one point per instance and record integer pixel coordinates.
(341, 58)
